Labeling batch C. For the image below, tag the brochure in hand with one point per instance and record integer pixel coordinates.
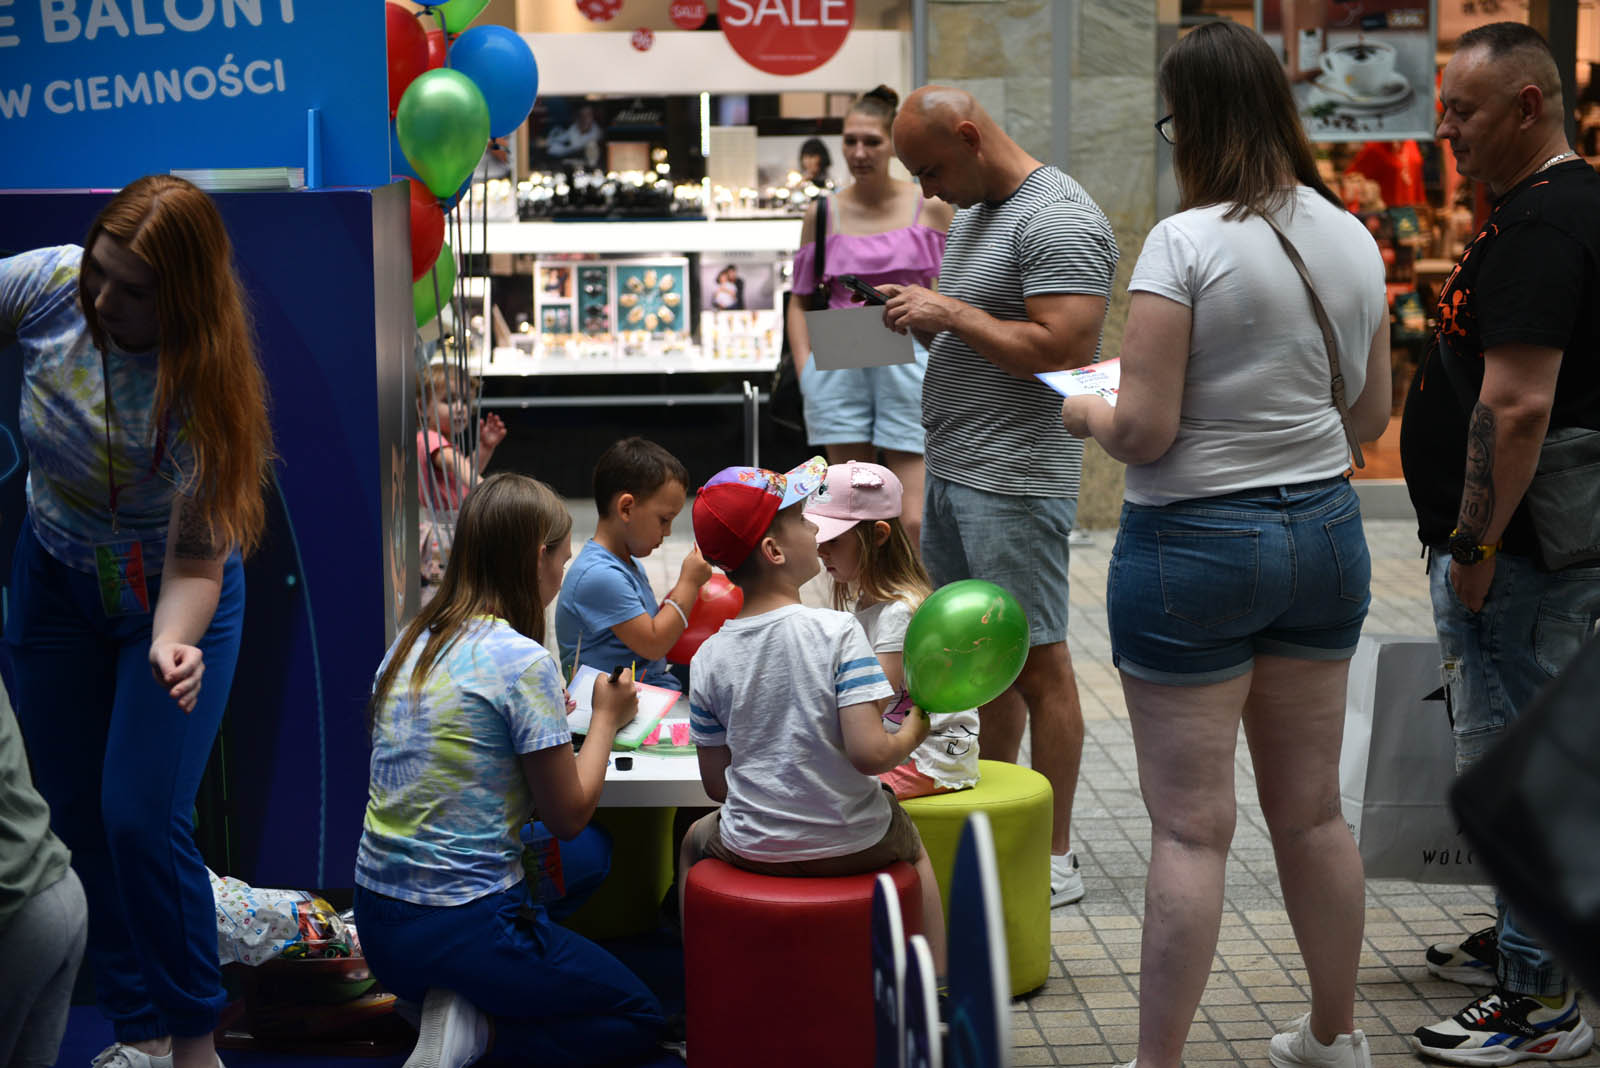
(654, 703)
(1096, 380)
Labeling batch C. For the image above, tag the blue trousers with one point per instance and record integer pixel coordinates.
(556, 998)
(120, 765)
(1495, 661)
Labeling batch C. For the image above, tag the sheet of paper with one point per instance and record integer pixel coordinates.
(654, 703)
(1096, 380)
(855, 337)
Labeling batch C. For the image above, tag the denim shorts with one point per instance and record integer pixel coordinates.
(879, 405)
(1017, 543)
(1197, 588)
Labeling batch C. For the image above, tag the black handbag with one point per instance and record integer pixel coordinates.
(1531, 807)
(787, 405)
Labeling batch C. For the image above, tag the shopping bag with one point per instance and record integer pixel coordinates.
(1398, 763)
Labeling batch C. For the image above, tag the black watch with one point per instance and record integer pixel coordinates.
(1464, 548)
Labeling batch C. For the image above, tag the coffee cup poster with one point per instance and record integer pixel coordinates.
(1361, 70)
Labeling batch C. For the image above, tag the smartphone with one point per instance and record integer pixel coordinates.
(862, 289)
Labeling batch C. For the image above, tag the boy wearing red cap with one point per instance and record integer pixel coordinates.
(786, 706)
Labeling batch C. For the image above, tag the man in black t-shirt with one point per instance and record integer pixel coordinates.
(1516, 354)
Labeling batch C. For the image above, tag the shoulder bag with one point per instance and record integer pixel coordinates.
(787, 405)
(1335, 375)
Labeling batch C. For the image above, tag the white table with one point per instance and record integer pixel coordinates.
(655, 781)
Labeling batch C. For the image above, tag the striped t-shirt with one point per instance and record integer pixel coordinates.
(985, 428)
(770, 688)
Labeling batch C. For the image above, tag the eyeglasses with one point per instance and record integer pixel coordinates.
(1164, 128)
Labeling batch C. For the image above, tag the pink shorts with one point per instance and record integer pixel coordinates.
(906, 781)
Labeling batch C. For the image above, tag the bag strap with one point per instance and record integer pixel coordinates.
(1335, 376)
(821, 257)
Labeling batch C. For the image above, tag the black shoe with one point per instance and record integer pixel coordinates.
(1472, 962)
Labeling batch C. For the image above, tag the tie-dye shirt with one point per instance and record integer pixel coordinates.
(447, 795)
(63, 418)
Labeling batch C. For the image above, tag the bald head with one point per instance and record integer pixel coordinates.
(954, 147)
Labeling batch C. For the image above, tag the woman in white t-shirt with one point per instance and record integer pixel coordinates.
(1239, 581)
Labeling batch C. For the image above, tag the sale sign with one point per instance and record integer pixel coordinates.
(786, 37)
(688, 14)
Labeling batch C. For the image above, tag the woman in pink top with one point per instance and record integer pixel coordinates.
(881, 230)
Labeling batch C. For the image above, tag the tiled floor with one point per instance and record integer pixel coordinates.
(1088, 1011)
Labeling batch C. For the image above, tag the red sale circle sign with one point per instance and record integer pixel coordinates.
(599, 10)
(786, 37)
(643, 38)
(688, 14)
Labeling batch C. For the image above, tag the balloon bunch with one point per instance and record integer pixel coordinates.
(450, 92)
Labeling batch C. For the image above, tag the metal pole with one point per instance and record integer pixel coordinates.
(919, 43)
(1063, 50)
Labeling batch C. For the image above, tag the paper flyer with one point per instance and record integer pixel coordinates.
(1096, 380)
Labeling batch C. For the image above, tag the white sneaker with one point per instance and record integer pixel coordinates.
(1300, 1047)
(119, 1055)
(453, 1033)
(1066, 882)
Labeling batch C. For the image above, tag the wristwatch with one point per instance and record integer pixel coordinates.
(1466, 550)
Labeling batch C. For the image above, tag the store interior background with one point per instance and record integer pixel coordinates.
(1029, 62)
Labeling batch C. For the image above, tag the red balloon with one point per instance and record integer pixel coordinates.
(719, 601)
(437, 49)
(427, 228)
(407, 50)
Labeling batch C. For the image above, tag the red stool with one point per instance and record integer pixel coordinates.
(779, 970)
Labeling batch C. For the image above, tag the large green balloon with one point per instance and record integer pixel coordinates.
(422, 299)
(453, 15)
(965, 646)
(443, 126)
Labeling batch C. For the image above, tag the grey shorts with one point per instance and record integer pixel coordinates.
(899, 842)
(1017, 543)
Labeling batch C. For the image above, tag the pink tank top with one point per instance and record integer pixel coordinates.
(909, 255)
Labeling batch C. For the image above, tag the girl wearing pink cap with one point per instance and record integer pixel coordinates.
(878, 576)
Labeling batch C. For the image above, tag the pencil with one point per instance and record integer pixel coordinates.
(577, 652)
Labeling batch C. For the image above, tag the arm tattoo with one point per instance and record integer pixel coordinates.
(194, 540)
(1477, 496)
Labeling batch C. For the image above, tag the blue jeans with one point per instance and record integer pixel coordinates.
(1495, 661)
(120, 765)
(555, 997)
(1017, 543)
(1197, 588)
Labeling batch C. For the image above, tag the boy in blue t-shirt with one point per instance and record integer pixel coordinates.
(607, 616)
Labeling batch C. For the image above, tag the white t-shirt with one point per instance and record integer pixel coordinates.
(1257, 405)
(949, 755)
(770, 688)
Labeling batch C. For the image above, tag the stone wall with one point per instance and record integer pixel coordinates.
(1003, 52)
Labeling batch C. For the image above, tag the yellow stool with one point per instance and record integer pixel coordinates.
(629, 901)
(1018, 803)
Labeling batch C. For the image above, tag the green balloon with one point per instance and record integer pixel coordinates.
(443, 127)
(453, 15)
(965, 646)
(422, 299)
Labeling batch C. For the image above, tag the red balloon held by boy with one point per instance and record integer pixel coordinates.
(719, 601)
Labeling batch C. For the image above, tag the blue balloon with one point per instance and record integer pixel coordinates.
(500, 62)
(449, 203)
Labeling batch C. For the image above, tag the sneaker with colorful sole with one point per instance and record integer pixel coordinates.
(1503, 1028)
